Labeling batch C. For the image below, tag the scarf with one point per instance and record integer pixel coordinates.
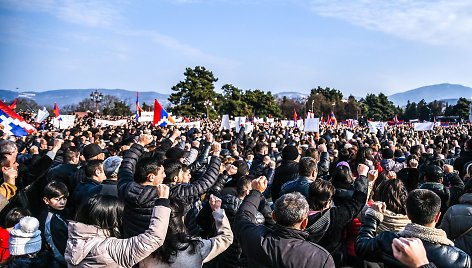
(432, 235)
(393, 222)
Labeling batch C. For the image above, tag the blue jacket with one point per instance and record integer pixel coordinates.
(301, 185)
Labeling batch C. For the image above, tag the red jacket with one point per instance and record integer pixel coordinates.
(4, 251)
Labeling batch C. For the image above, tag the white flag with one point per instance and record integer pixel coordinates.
(42, 114)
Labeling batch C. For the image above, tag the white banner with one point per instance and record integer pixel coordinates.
(42, 114)
(239, 121)
(67, 121)
(349, 135)
(377, 125)
(100, 122)
(300, 123)
(248, 128)
(146, 117)
(287, 123)
(423, 126)
(258, 120)
(195, 124)
(225, 122)
(312, 125)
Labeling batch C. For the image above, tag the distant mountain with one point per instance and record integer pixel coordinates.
(291, 95)
(73, 96)
(446, 92)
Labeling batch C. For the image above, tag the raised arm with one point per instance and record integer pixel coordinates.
(224, 235)
(128, 252)
(128, 165)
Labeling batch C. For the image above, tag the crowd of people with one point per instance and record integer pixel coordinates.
(146, 196)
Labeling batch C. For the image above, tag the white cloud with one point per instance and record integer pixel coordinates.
(86, 12)
(434, 22)
(174, 44)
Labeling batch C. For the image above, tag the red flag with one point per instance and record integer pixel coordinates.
(13, 105)
(294, 115)
(57, 112)
(161, 117)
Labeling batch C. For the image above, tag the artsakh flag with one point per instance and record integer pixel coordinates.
(161, 117)
(57, 112)
(13, 123)
(13, 105)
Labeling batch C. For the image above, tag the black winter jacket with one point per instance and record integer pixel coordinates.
(459, 163)
(326, 227)
(378, 248)
(277, 247)
(287, 171)
(63, 173)
(30, 197)
(449, 195)
(258, 168)
(139, 199)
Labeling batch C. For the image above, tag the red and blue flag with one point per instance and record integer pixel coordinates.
(13, 123)
(161, 117)
(138, 107)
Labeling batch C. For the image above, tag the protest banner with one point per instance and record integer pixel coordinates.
(423, 126)
(312, 125)
(225, 122)
(100, 122)
(65, 122)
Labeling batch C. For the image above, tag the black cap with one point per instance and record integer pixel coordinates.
(290, 152)
(91, 150)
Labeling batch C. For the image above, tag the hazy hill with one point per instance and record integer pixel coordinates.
(446, 92)
(73, 96)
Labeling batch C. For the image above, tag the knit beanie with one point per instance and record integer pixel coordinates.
(111, 166)
(290, 152)
(25, 238)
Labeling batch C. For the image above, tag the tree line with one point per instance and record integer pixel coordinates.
(193, 95)
(196, 97)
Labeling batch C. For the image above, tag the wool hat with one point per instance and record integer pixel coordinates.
(175, 153)
(289, 152)
(25, 238)
(91, 150)
(111, 166)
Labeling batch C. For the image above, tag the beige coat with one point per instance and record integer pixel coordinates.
(89, 246)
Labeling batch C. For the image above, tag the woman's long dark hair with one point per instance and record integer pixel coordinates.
(394, 194)
(177, 238)
(104, 212)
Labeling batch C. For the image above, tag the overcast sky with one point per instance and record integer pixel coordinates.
(356, 46)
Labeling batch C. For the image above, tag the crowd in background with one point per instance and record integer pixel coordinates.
(144, 196)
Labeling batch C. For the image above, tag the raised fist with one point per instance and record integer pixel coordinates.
(163, 191)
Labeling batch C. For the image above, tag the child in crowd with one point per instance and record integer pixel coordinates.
(53, 223)
(25, 245)
(11, 219)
